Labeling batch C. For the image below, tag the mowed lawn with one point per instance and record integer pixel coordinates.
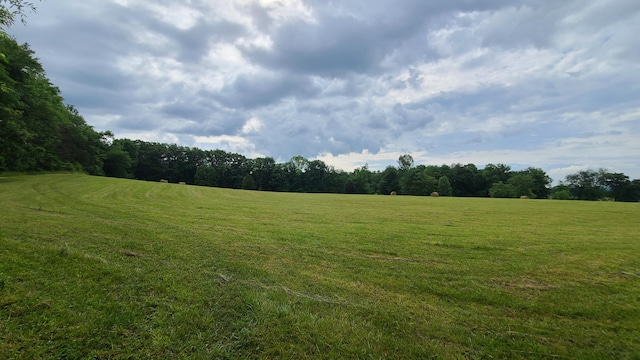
(94, 267)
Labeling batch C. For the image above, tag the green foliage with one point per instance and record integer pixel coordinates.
(539, 183)
(117, 162)
(206, 175)
(415, 182)
(360, 181)
(522, 184)
(248, 183)
(38, 132)
(496, 173)
(12, 9)
(444, 186)
(563, 194)
(405, 162)
(104, 268)
(466, 180)
(503, 190)
(586, 185)
(389, 181)
(262, 170)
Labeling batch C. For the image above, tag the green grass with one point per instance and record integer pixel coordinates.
(94, 267)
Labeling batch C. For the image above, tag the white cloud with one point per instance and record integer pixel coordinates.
(252, 125)
(235, 144)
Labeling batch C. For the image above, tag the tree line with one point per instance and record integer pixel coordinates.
(138, 159)
(39, 132)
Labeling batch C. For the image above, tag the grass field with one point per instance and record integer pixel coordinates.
(93, 267)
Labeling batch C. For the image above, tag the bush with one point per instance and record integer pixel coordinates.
(563, 195)
(502, 190)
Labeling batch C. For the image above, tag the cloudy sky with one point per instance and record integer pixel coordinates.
(543, 83)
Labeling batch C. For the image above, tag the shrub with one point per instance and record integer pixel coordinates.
(502, 190)
(563, 194)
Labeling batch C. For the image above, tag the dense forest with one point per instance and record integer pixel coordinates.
(39, 132)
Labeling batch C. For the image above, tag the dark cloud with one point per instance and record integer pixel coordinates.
(250, 91)
(186, 110)
(410, 118)
(338, 46)
(192, 44)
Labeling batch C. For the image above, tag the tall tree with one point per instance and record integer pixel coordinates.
(315, 176)
(522, 184)
(360, 181)
(540, 182)
(389, 181)
(498, 173)
(464, 180)
(585, 185)
(262, 170)
(444, 186)
(117, 162)
(614, 183)
(206, 175)
(503, 190)
(416, 182)
(37, 130)
(405, 162)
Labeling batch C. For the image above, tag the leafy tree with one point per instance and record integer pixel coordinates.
(444, 186)
(335, 180)
(416, 182)
(389, 180)
(263, 171)
(564, 194)
(299, 163)
(206, 175)
(314, 176)
(248, 183)
(152, 161)
(12, 9)
(614, 183)
(131, 147)
(280, 179)
(37, 130)
(360, 181)
(522, 184)
(118, 162)
(293, 171)
(540, 182)
(437, 171)
(496, 173)
(405, 162)
(629, 191)
(81, 144)
(231, 169)
(465, 180)
(502, 190)
(586, 185)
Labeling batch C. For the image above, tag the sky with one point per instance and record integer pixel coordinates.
(545, 83)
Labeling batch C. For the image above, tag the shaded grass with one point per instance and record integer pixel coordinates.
(108, 268)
